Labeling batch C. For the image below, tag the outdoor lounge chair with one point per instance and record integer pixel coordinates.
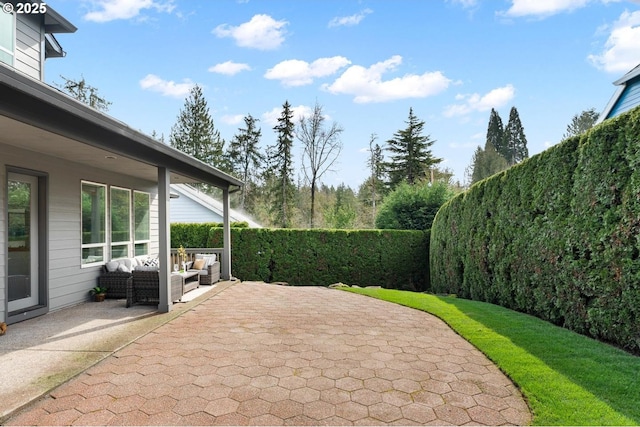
(116, 283)
(210, 272)
(145, 287)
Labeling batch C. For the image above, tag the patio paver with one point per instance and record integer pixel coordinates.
(277, 355)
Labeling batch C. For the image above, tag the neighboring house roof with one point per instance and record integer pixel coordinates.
(207, 203)
(37, 117)
(626, 96)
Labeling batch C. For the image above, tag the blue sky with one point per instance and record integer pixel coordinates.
(365, 61)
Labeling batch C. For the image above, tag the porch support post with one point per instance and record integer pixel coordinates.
(225, 262)
(164, 236)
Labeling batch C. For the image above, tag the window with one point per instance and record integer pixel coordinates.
(94, 208)
(7, 36)
(141, 222)
(120, 222)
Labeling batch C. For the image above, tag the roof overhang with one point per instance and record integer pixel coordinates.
(53, 21)
(42, 119)
(629, 76)
(52, 47)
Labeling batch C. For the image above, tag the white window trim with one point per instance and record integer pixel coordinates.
(109, 244)
(133, 237)
(127, 243)
(104, 244)
(13, 38)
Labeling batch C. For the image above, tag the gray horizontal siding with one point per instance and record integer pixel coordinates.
(28, 45)
(68, 282)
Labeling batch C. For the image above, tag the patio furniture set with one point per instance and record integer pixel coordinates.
(138, 280)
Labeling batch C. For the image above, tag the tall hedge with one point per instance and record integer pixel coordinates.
(196, 235)
(389, 258)
(557, 236)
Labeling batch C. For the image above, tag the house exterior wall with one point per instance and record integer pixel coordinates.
(629, 98)
(68, 282)
(3, 240)
(183, 209)
(29, 44)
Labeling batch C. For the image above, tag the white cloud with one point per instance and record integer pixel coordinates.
(294, 72)
(230, 119)
(110, 10)
(271, 117)
(466, 4)
(229, 68)
(366, 84)
(166, 87)
(495, 98)
(261, 32)
(542, 8)
(340, 21)
(622, 48)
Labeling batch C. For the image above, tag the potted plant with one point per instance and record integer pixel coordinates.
(98, 293)
(182, 254)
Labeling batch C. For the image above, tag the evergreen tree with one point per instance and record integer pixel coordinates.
(486, 162)
(411, 156)
(280, 170)
(495, 134)
(343, 212)
(581, 123)
(194, 132)
(493, 158)
(157, 137)
(245, 157)
(413, 207)
(515, 140)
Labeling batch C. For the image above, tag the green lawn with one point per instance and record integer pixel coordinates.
(567, 378)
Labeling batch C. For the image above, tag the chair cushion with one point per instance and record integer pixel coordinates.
(209, 258)
(123, 268)
(112, 266)
(146, 268)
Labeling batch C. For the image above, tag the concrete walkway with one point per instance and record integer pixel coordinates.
(272, 355)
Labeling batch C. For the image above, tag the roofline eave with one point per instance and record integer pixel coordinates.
(37, 104)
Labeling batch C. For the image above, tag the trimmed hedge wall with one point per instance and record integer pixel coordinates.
(394, 259)
(557, 236)
(191, 235)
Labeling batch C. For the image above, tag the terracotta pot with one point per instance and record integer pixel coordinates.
(99, 297)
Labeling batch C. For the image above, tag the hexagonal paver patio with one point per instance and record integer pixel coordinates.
(259, 354)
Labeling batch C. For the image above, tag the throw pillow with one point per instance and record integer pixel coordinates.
(151, 262)
(123, 268)
(112, 266)
(198, 264)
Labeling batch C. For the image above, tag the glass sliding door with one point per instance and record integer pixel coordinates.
(23, 282)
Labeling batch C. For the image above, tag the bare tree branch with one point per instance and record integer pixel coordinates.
(321, 148)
